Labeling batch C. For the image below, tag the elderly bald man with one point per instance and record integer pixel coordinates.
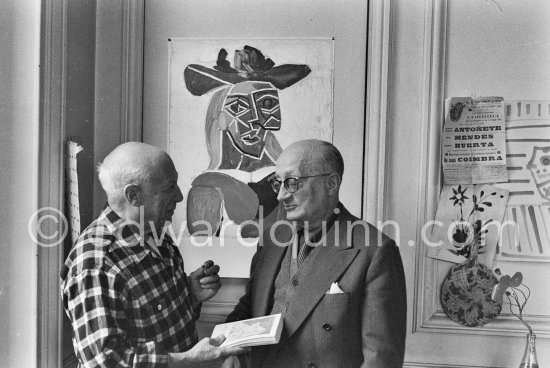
(123, 284)
(337, 280)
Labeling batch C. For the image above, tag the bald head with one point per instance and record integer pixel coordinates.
(316, 168)
(316, 157)
(132, 163)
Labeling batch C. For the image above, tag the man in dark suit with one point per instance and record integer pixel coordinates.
(338, 281)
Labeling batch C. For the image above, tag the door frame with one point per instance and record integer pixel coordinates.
(125, 88)
(128, 89)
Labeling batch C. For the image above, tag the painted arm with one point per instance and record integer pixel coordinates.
(384, 308)
(204, 202)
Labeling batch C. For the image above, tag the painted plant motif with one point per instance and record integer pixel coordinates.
(467, 230)
(241, 121)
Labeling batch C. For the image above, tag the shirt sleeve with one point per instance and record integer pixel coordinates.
(96, 302)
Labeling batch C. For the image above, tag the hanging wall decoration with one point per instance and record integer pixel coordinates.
(528, 165)
(234, 105)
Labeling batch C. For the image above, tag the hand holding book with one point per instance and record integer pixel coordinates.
(251, 332)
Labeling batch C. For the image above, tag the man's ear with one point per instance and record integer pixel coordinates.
(333, 183)
(132, 194)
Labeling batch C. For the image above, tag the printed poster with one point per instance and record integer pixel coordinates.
(473, 141)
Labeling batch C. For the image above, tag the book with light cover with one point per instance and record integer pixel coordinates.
(251, 332)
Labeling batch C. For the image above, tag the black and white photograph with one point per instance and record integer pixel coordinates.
(275, 184)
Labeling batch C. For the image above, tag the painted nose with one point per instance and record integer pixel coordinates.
(256, 126)
(255, 117)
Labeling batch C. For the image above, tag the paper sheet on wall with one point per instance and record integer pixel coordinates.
(473, 144)
(528, 165)
(72, 149)
(203, 139)
(459, 207)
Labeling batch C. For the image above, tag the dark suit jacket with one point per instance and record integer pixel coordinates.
(363, 327)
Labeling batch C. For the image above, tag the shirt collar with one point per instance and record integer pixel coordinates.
(315, 235)
(126, 232)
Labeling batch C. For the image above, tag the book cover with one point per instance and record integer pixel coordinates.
(251, 332)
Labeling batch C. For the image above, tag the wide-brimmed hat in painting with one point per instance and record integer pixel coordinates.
(249, 65)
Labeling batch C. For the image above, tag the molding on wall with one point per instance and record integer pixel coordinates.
(215, 312)
(131, 107)
(378, 61)
(119, 70)
(50, 177)
(504, 325)
(212, 314)
(435, 29)
(127, 89)
(118, 79)
(430, 365)
(428, 317)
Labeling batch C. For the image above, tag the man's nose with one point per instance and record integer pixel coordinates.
(179, 194)
(283, 194)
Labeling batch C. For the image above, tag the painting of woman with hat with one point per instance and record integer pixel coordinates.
(242, 119)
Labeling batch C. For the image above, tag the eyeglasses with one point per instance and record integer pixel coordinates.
(291, 184)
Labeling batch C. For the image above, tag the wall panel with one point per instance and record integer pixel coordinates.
(443, 49)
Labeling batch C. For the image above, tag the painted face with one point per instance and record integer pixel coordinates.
(251, 109)
(539, 165)
(160, 199)
(309, 202)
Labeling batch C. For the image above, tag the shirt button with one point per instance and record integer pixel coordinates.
(311, 365)
(159, 307)
(327, 327)
(295, 282)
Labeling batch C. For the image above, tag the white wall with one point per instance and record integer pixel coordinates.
(492, 48)
(19, 91)
(266, 19)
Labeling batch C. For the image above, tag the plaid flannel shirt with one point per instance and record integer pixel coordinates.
(128, 306)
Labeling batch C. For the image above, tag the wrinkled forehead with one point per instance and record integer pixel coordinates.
(249, 87)
(299, 160)
(165, 169)
(289, 164)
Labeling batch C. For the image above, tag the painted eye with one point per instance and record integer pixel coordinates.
(268, 103)
(237, 108)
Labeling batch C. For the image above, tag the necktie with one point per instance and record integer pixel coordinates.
(303, 248)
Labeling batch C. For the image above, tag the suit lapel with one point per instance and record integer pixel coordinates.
(328, 263)
(266, 271)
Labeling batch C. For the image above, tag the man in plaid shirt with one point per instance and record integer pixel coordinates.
(123, 284)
